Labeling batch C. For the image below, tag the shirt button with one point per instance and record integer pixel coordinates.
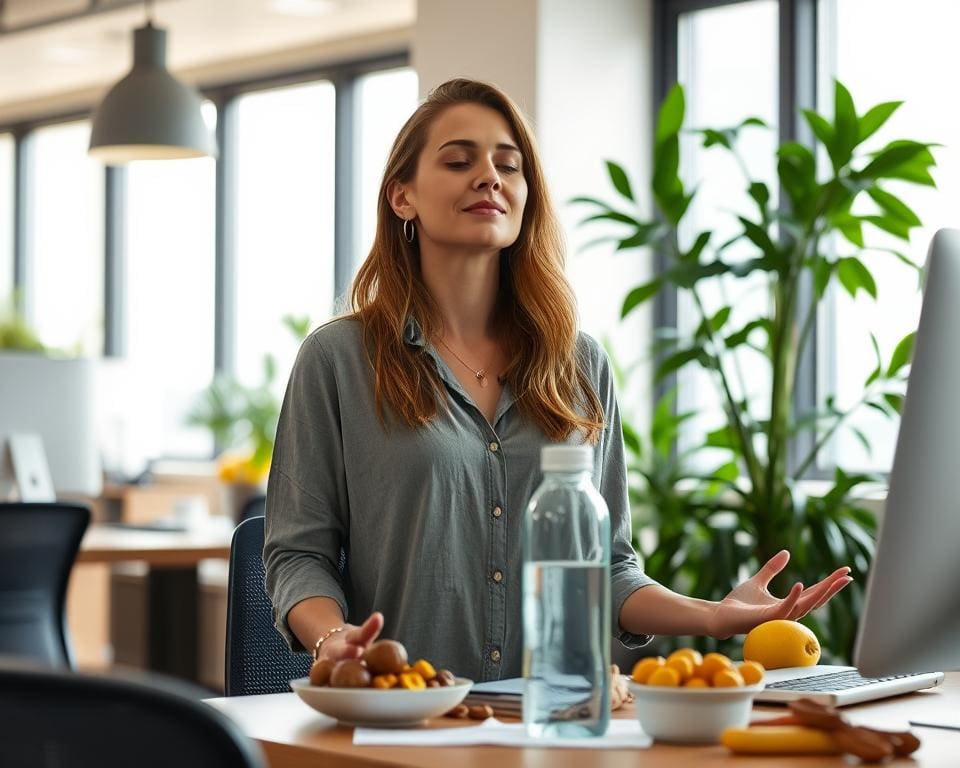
(497, 511)
(498, 576)
(494, 447)
(495, 655)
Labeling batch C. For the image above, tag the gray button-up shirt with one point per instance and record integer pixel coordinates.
(429, 518)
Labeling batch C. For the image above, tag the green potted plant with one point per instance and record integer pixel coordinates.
(708, 526)
(243, 421)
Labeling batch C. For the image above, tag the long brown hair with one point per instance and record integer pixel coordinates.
(537, 306)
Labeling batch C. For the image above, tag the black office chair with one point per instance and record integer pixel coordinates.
(57, 719)
(257, 657)
(38, 545)
(256, 506)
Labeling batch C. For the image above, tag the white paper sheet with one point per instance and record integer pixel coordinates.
(622, 734)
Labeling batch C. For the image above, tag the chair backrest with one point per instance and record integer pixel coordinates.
(257, 657)
(256, 506)
(59, 719)
(38, 545)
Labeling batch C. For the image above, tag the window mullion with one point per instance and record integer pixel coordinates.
(345, 213)
(798, 90)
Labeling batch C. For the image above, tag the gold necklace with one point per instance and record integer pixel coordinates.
(480, 375)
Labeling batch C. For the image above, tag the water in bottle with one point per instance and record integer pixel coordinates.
(566, 599)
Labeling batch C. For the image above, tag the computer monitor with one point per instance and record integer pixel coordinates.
(911, 616)
(53, 399)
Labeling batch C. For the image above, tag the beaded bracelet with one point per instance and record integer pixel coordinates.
(316, 648)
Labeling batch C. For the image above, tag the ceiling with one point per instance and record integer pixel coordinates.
(66, 63)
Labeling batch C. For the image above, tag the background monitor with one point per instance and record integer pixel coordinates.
(911, 616)
(55, 399)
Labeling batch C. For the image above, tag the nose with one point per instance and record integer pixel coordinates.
(487, 177)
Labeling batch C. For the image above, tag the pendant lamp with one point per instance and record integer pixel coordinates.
(149, 114)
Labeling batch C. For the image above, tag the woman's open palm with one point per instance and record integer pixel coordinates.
(751, 603)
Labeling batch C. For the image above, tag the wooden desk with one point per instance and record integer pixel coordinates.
(113, 544)
(294, 736)
(172, 586)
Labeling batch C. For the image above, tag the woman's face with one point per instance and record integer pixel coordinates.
(469, 189)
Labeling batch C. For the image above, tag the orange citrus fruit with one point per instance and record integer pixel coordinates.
(695, 658)
(728, 678)
(645, 667)
(683, 666)
(782, 643)
(751, 671)
(665, 677)
(696, 682)
(712, 663)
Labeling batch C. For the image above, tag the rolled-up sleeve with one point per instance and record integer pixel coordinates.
(307, 515)
(626, 575)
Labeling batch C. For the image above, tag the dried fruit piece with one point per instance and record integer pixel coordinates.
(385, 681)
(412, 681)
(425, 668)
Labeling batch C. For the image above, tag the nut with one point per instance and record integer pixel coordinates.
(480, 712)
(460, 711)
(320, 671)
(446, 678)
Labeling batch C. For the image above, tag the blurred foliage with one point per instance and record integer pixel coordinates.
(701, 532)
(243, 419)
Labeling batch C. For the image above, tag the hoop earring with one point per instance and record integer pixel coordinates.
(411, 233)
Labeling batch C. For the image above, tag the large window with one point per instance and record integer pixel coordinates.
(207, 257)
(65, 239)
(285, 218)
(169, 290)
(386, 100)
(727, 63)
(856, 41)
(6, 219)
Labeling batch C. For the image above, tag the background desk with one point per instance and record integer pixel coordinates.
(172, 557)
(294, 736)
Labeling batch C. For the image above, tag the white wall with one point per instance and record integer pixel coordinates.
(582, 73)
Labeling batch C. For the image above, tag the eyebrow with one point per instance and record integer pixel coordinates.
(474, 145)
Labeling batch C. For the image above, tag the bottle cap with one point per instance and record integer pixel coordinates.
(566, 458)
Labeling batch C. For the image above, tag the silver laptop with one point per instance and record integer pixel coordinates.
(911, 616)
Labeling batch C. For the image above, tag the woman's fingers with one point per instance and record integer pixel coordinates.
(367, 632)
(771, 568)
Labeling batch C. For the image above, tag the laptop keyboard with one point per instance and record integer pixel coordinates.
(834, 681)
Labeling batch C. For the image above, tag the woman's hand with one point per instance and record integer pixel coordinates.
(750, 604)
(354, 640)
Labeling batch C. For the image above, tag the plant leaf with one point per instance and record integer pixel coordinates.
(670, 117)
(901, 354)
(875, 117)
(854, 275)
(640, 294)
(846, 126)
(619, 178)
(894, 206)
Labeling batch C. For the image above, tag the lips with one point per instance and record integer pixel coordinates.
(484, 206)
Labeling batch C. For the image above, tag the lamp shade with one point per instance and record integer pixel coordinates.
(149, 114)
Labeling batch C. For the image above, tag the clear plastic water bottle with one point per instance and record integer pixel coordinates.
(566, 599)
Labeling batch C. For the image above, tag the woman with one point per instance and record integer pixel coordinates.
(411, 429)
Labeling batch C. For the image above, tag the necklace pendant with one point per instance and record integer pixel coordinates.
(482, 378)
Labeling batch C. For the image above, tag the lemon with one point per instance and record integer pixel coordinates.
(782, 643)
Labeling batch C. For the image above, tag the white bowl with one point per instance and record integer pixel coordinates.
(692, 715)
(393, 707)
